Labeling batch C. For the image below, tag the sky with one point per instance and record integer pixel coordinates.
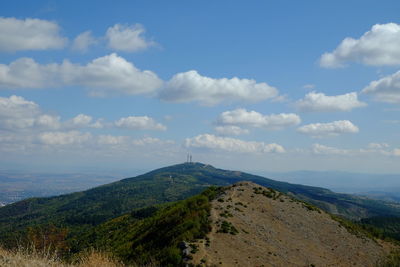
(245, 85)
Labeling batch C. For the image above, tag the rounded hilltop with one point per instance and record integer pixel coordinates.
(254, 225)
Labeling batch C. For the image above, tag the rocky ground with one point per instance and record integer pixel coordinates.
(257, 226)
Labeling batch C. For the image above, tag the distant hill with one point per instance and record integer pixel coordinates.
(339, 181)
(82, 210)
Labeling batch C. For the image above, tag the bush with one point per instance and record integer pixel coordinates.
(227, 227)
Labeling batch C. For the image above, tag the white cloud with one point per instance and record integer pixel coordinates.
(127, 38)
(373, 149)
(112, 140)
(126, 141)
(378, 145)
(29, 34)
(230, 130)
(309, 86)
(328, 129)
(327, 150)
(25, 130)
(79, 121)
(90, 141)
(17, 113)
(26, 73)
(191, 86)
(151, 141)
(48, 121)
(103, 76)
(377, 47)
(83, 41)
(242, 117)
(110, 74)
(319, 102)
(139, 123)
(99, 124)
(209, 141)
(64, 138)
(382, 149)
(386, 89)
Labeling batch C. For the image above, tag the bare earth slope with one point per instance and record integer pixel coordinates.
(274, 230)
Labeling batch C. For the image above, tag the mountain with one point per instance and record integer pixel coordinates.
(82, 210)
(243, 224)
(254, 225)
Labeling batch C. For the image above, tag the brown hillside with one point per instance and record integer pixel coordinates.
(275, 230)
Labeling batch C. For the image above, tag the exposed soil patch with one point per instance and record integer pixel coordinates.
(257, 226)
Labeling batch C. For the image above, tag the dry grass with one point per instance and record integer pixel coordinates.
(30, 257)
(95, 258)
(274, 230)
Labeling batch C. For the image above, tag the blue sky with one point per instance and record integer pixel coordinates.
(259, 85)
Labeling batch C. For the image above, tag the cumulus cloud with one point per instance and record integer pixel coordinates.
(191, 86)
(80, 121)
(377, 47)
(71, 138)
(373, 149)
(26, 73)
(319, 102)
(29, 34)
(242, 117)
(382, 149)
(98, 124)
(64, 138)
(386, 89)
(83, 41)
(151, 141)
(327, 150)
(378, 145)
(230, 130)
(139, 123)
(328, 129)
(112, 140)
(18, 113)
(48, 121)
(113, 74)
(25, 129)
(209, 141)
(103, 76)
(126, 141)
(127, 38)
